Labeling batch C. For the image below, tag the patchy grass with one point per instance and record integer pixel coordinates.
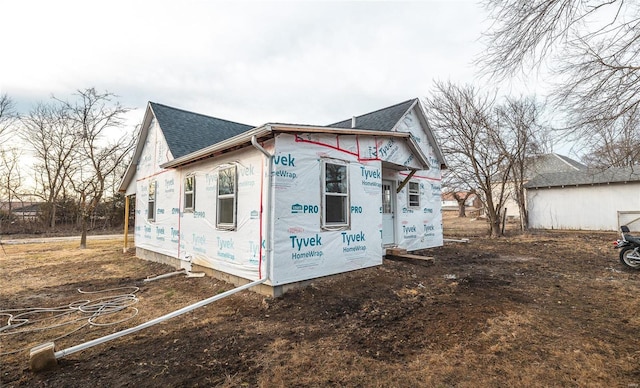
(534, 310)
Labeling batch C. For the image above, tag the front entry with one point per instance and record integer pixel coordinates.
(388, 211)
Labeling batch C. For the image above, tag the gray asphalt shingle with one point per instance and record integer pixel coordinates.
(585, 177)
(381, 120)
(186, 132)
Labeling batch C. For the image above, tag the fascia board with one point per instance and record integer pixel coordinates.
(272, 128)
(142, 137)
(422, 116)
(413, 146)
(334, 130)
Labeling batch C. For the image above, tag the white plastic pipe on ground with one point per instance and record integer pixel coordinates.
(97, 341)
(43, 357)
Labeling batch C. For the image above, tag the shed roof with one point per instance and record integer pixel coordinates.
(186, 132)
(384, 119)
(585, 177)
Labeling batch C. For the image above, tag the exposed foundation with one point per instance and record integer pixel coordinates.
(263, 289)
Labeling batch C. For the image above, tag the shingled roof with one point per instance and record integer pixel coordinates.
(381, 120)
(553, 163)
(585, 177)
(186, 132)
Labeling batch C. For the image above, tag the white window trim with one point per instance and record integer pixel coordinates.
(154, 184)
(415, 193)
(324, 224)
(234, 195)
(191, 208)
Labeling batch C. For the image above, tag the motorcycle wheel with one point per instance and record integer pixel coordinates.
(624, 259)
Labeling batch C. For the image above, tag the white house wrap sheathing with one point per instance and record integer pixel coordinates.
(421, 228)
(302, 248)
(159, 235)
(193, 235)
(236, 251)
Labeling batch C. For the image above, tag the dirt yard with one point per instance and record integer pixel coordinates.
(545, 309)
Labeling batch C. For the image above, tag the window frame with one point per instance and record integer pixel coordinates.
(413, 193)
(227, 196)
(324, 194)
(192, 192)
(152, 194)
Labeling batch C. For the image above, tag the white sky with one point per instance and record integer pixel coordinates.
(251, 62)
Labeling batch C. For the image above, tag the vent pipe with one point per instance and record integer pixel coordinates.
(353, 122)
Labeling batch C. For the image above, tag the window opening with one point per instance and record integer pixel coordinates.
(151, 209)
(414, 194)
(189, 193)
(227, 190)
(335, 194)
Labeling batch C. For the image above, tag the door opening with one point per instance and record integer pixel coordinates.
(388, 213)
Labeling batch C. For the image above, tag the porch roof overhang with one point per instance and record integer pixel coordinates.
(269, 130)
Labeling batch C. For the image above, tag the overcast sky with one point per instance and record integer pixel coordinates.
(251, 62)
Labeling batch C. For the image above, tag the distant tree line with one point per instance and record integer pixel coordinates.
(78, 158)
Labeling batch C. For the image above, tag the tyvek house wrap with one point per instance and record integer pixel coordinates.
(193, 235)
(158, 235)
(232, 251)
(303, 249)
(420, 228)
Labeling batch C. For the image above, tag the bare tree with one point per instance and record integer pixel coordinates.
(520, 139)
(456, 183)
(93, 116)
(488, 146)
(10, 175)
(461, 198)
(463, 120)
(9, 171)
(617, 145)
(8, 115)
(49, 132)
(593, 46)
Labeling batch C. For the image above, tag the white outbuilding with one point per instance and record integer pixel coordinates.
(601, 199)
(284, 203)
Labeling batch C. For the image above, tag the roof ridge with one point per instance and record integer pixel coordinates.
(199, 114)
(566, 159)
(388, 107)
(375, 111)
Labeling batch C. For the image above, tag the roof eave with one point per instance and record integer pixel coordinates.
(413, 146)
(289, 128)
(580, 184)
(334, 130)
(422, 158)
(219, 147)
